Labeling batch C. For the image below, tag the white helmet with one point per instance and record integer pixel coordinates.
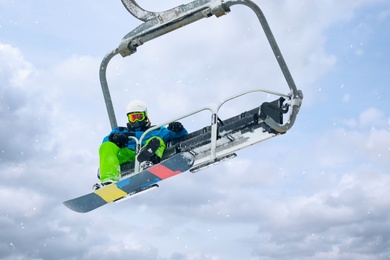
(137, 106)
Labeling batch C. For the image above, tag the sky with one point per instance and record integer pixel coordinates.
(320, 191)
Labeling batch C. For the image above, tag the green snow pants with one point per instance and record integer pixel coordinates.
(111, 157)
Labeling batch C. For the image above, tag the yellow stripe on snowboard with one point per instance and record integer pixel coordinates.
(110, 193)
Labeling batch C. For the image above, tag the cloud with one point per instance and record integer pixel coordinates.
(327, 218)
(371, 117)
(311, 194)
(21, 110)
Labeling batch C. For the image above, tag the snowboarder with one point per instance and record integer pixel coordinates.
(117, 148)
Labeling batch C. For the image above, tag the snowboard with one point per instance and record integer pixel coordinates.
(139, 182)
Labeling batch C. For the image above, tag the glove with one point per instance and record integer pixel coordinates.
(119, 139)
(175, 127)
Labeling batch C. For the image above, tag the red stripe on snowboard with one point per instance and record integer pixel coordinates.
(163, 172)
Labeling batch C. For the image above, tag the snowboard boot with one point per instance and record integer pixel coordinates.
(145, 165)
(147, 152)
(97, 186)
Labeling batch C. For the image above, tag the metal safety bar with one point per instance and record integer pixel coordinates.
(214, 125)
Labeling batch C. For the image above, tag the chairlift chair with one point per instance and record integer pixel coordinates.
(222, 138)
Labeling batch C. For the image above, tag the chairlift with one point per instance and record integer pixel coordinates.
(222, 138)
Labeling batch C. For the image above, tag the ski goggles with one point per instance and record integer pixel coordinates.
(136, 116)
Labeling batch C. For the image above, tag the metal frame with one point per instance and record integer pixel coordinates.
(156, 24)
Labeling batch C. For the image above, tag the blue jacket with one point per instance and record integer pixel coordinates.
(162, 132)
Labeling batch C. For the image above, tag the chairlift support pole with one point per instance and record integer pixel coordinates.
(105, 89)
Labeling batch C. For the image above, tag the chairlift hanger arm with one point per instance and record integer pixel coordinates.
(159, 23)
(145, 15)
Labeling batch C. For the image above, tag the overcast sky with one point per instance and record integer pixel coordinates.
(321, 191)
